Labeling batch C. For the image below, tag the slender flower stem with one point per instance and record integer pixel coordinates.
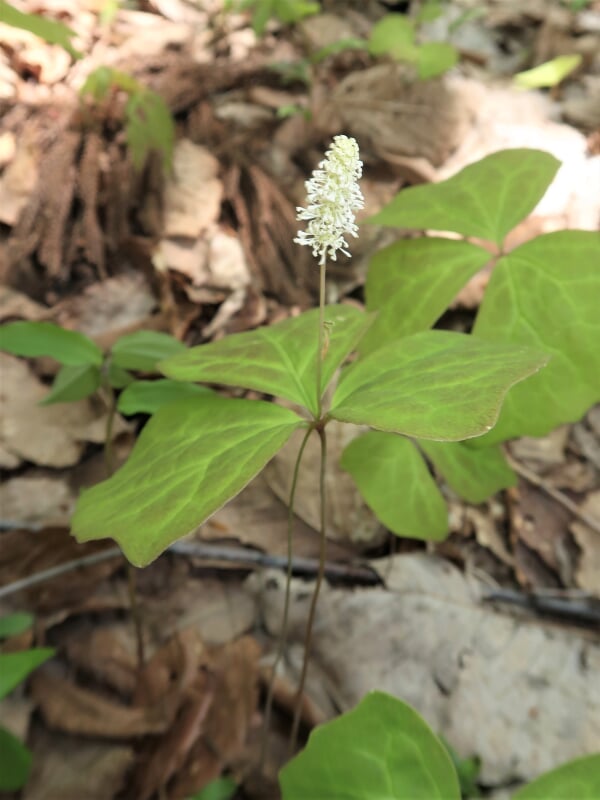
(315, 597)
(321, 333)
(286, 605)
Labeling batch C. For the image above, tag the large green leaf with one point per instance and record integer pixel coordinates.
(15, 667)
(146, 397)
(546, 294)
(433, 385)
(435, 58)
(394, 35)
(412, 282)
(191, 458)
(73, 383)
(279, 359)
(381, 750)
(395, 482)
(33, 339)
(143, 350)
(575, 780)
(474, 473)
(15, 762)
(486, 199)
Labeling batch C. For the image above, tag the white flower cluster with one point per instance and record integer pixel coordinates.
(333, 197)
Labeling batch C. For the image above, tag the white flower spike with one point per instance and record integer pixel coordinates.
(333, 197)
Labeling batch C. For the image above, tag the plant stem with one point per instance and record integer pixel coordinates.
(315, 597)
(286, 605)
(321, 333)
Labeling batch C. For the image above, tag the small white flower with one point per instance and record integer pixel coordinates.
(333, 197)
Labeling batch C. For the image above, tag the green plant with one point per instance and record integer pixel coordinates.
(382, 750)
(286, 11)
(15, 758)
(538, 291)
(548, 74)
(397, 35)
(50, 30)
(148, 121)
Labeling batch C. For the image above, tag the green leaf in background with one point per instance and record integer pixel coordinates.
(15, 762)
(474, 473)
(149, 127)
(486, 199)
(435, 58)
(279, 359)
(14, 624)
(433, 385)
(549, 74)
(33, 339)
(219, 789)
(288, 11)
(73, 383)
(429, 10)
(412, 282)
(546, 294)
(394, 35)
(191, 458)
(49, 30)
(575, 780)
(15, 667)
(146, 397)
(143, 350)
(396, 485)
(381, 750)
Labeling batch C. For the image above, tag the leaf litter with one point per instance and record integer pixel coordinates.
(90, 243)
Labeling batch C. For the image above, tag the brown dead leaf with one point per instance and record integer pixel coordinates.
(25, 553)
(587, 574)
(71, 709)
(540, 524)
(71, 768)
(107, 653)
(15, 304)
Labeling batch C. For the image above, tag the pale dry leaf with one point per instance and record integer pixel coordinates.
(17, 183)
(193, 194)
(36, 500)
(587, 574)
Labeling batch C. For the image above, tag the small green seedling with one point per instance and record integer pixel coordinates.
(549, 74)
(286, 11)
(148, 121)
(15, 758)
(49, 30)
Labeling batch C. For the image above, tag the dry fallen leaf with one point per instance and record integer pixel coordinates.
(587, 574)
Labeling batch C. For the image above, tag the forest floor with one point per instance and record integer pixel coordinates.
(92, 243)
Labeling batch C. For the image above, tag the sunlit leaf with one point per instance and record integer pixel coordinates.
(396, 485)
(433, 385)
(412, 282)
(191, 458)
(73, 383)
(546, 294)
(279, 359)
(486, 199)
(33, 339)
(551, 73)
(576, 780)
(381, 750)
